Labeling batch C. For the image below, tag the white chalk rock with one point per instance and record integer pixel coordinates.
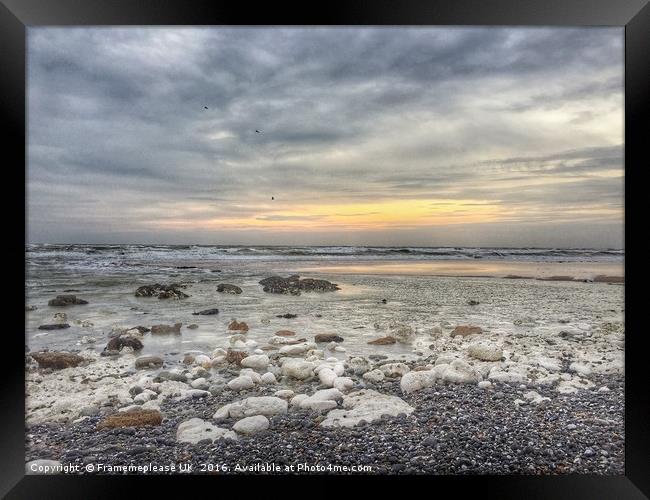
(343, 384)
(218, 352)
(327, 377)
(322, 400)
(269, 379)
(485, 351)
(297, 368)
(193, 394)
(535, 398)
(374, 376)
(251, 425)
(574, 385)
(511, 374)
(416, 380)
(297, 399)
(254, 376)
(202, 360)
(458, 372)
(277, 340)
(445, 359)
(199, 383)
(366, 405)
(394, 369)
(145, 396)
(255, 405)
(284, 394)
(485, 384)
(195, 430)
(549, 364)
(294, 350)
(582, 369)
(359, 365)
(240, 383)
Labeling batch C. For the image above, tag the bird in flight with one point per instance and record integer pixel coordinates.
(273, 197)
(205, 107)
(257, 131)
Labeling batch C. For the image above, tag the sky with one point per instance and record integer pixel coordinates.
(436, 136)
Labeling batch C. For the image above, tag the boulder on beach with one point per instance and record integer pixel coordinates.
(226, 288)
(293, 285)
(323, 400)
(383, 341)
(170, 291)
(457, 371)
(239, 326)
(251, 425)
(254, 405)
(328, 337)
(66, 300)
(297, 368)
(122, 341)
(54, 326)
(256, 361)
(195, 430)
(366, 406)
(166, 329)
(285, 333)
(485, 352)
(57, 360)
(465, 330)
(207, 312)
(132, 418)
(241, 383)
(374, 376)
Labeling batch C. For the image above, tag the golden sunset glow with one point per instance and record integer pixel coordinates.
(350, 216)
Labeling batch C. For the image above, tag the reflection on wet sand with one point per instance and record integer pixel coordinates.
(556, 271)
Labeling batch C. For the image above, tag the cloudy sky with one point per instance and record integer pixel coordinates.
(384, 136)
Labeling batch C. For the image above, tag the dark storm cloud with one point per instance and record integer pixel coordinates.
(119, 135)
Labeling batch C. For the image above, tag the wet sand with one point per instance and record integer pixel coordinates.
(560, 271)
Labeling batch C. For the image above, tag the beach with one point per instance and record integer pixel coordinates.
(395, 360)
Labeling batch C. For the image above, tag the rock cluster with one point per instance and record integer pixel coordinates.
(226, 288)
(66, 300)
(170, 291)
(293, 285)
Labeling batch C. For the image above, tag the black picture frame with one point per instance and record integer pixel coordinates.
(17, 15)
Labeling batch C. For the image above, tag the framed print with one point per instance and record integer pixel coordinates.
(387, 242)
